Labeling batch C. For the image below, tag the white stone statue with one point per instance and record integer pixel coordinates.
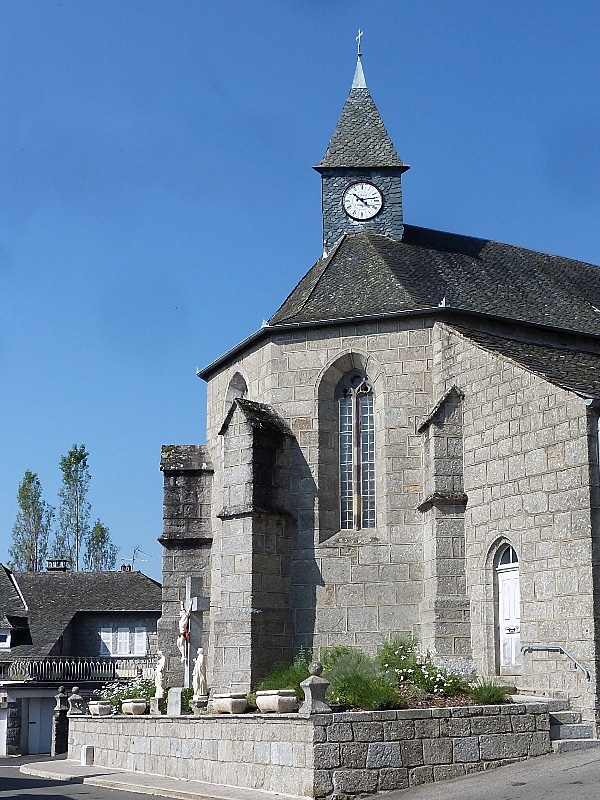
(199, 676)
(159, 675)
(183, 635)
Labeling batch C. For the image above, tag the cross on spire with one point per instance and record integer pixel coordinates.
(360, 33)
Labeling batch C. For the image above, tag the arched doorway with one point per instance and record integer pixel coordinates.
(509, 610)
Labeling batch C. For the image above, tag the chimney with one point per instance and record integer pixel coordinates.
(58, 565)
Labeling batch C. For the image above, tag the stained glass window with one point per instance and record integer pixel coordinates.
(357, 453)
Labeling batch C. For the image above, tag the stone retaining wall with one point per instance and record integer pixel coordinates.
(345, 754)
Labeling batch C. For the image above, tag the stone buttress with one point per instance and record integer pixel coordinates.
(186, 541)
(445, 612)
(252, 626)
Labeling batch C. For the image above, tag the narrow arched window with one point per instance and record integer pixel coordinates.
(356, 452)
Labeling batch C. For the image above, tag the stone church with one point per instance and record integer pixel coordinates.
(409, 445)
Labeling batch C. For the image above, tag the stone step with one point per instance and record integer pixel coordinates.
(567, 745)
(578, 730)
(552, 703)
(564, 717)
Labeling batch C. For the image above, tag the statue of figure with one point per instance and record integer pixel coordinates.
(183, 636)
(199, 676)
(159, 675)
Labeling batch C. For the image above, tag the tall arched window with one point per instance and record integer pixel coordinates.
(356, 452)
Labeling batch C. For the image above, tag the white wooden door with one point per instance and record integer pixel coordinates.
(509, 616)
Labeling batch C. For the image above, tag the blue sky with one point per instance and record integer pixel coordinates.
(157, 200)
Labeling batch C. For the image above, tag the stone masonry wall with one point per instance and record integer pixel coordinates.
(527, 476)
(527, 467)
(270, 753)
(322, 756)
(251, 627)
(350, 587)
(186, 540)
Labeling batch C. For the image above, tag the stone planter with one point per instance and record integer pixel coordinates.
(135, 706)
(280, 701)
(100, 708)
(229, 703)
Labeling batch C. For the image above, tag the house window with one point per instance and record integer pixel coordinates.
(123, 641)
(4, 640)
(139, 642)
(356, 452)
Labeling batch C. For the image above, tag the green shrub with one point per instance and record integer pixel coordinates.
(356, 681)
(488, 692)
(329, 656)
(186, 697)
(118, 691)
(397, 656)
(288, 676)
(432, 679)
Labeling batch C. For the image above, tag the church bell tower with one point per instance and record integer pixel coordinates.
(361, 171)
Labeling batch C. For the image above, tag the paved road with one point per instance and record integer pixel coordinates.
(14, 784)
(567, 776)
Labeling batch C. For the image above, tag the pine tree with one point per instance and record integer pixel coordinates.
(100, 552)
(32, 527)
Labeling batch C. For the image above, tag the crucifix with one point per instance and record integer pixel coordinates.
(360, 33)
(197, 603)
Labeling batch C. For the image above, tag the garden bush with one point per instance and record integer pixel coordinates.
(287, 676)
(489, 692)
(118, 691)
(358, 682)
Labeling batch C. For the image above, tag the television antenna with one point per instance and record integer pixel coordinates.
(135, 558)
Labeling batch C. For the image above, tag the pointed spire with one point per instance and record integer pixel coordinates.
(359, 76)
(360, 138)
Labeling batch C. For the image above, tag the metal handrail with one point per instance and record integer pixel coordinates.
(556, 648)
(73, 669)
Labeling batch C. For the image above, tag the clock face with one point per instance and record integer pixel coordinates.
(362, 200)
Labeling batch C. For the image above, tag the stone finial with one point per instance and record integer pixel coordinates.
(314, 689)
(76, 703)
(61, 698)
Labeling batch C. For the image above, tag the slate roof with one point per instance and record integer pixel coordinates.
(10, 601)
(259, 416)
(54, 598)
(367, 274)
(562, 366)
(360, 138)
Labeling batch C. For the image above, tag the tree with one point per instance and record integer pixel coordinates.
(100, 552)
(32, 527)
(74, 511)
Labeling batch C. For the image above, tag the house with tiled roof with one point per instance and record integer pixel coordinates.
(408, 446)
(61, 627)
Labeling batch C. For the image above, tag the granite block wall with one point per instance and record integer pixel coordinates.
(518, 452)
(186, 540)
(528, 458)
(329, 755)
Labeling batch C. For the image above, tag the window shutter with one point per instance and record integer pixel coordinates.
(106, 642)
(139, 642)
